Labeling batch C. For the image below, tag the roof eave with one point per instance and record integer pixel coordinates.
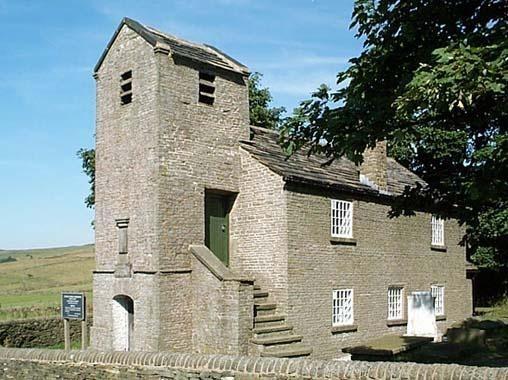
(335, 186)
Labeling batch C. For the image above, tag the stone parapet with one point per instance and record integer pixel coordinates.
(139, 365)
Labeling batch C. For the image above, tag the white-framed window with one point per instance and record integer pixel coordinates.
(395, 302)
(341, 218)
(437, 231)
(437, 292)
(342, 313)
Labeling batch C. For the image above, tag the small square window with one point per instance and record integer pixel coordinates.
(437, 292)
(437, 231)
(341, 219)
(395, 302)
(342, 313)
(206, 88)
(126, 88)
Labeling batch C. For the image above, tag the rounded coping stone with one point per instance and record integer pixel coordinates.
(251, 363)
(216, 363)
(180, 359)
(270, 367)
(293, 368)
(189, 362)
(242, 364)
(201, 363)
(259, 365)
(159, 358)
(394, 370)
(165, 360)
(318, 370)
(226, 365)
(172, 360)
(405, 373)
(334, 369)
(278, 365)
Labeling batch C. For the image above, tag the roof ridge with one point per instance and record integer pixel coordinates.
(178, 46)
(173, 37)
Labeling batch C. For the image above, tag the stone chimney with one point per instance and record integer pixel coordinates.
(374, 165)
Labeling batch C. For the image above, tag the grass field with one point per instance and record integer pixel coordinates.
(31, 285)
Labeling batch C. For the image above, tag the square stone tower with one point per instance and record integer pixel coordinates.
(170, 114)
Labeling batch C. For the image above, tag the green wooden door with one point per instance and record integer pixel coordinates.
(217, 226)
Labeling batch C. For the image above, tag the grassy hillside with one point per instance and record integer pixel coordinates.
(31, 280)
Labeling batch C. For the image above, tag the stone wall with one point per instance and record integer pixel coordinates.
(78, 365)
(223, 306)
(38, 332)
(126, 187)
(155, 158)
(384, 252)
(259, 229)
(126, 154)
(198, 150)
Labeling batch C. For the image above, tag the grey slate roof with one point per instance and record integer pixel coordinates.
(340, 174)
(179, 47)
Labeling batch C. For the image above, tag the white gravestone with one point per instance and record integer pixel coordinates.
(421, 317)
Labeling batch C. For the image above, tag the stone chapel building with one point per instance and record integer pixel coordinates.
(208, 240)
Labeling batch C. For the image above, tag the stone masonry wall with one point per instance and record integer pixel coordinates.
(126, 187)
(199, 150)
(126, 154)
(175, 315)
(259, 229)
(374, 164)
(207, 329)
(387, 252)
(222, 312)
(155, 158)
(79, 365)
(143, 289)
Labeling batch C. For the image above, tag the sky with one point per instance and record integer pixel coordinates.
(47, 94)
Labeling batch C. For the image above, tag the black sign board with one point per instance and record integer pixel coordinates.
(74, 306)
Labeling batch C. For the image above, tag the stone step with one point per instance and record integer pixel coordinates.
(278, 340)
(291, 352)
(257, 287)
(260, 294)
(269, 318)
(272, 329)
(264, 308)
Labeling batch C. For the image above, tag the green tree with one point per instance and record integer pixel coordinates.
(261, 115)
(87, 157)
(431, 80)
(260, 98)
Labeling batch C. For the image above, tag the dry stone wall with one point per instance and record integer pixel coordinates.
(39, 332)
(77, 365)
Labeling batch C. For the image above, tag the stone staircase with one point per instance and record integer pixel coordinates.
(272, 336)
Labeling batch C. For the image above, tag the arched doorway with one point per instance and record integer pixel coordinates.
(123, 322)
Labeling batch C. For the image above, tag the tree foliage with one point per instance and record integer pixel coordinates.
(87, 157)
(260, 98)
(431, 80)
(261, 115)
